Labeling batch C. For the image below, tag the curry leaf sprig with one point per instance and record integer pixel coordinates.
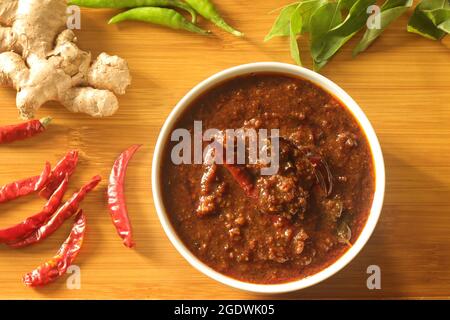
(330, 24)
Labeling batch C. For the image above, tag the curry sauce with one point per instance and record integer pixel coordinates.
(283, 226)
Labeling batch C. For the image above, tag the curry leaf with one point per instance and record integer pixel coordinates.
(431, 19)
(323, 20)
(420, 24)
(343, 230)
(329, 30)
(344, 233)
(390, 11)
(295, 28)
(439, 16)
(445, 26)
(338, 36)
(347, 4)
(306, 10)
(390, 4)
(281, 25)
(330, 42)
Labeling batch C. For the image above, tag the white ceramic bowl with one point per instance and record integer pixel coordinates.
(329, 86)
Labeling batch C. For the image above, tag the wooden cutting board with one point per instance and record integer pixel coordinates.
(402, 83)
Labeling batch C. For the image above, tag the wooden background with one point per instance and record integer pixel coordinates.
(402, 83)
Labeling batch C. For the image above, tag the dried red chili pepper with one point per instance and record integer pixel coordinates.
(242, 177)
(66, 166)
(63, 213)
(26, 227)
(26, 186)
(24, 130)
(57, 266)
(116, 198)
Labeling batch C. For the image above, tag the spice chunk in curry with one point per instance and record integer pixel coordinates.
(281, 227)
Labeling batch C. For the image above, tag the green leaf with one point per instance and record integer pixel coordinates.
(346, 4)
(438, 11)
(434, 4)
(430, 19)
(420, 24)
(307, 9)
(390, 11)
(319, 65)
(281, 26)
(326, 45)
(322, 21)
(344, 233)
(445, 26)
(438, 16)
(389, 4)
(295, 28)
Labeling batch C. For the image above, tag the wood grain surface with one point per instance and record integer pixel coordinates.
(402, 83)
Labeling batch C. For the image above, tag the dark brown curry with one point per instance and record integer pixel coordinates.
(276, 228)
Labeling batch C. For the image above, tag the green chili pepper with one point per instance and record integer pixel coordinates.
(207, 10)
(122, 4)
(161, 16)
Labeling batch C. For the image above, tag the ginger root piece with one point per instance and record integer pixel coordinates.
(40, 59)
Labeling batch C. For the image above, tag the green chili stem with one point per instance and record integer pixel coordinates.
(45, 121)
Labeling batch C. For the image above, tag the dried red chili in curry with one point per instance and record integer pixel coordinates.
(299, 220)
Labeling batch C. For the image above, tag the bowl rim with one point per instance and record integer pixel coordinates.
(329, 86)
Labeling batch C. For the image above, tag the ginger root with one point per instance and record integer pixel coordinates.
(40, 59)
